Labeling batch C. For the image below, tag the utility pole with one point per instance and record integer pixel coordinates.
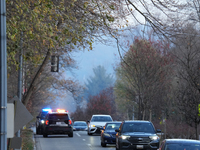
(3, 77)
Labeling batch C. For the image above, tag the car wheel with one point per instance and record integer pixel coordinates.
(45, 135)
(71, 134)
(89, 133)
(103, 144)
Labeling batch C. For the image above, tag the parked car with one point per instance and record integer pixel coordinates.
(80, 126)
(58, 122)
(40, 120)
(97, 122)
(108, 133)
(134, 134)
(180, 144)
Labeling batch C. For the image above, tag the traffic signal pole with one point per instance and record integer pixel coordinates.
(3, 77)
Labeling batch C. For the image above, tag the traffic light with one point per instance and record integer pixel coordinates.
(199, 110)
(54, 63)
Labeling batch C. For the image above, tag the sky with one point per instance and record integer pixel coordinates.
(101, 54)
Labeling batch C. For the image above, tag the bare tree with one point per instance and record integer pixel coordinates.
(187, 54)
(143, 75)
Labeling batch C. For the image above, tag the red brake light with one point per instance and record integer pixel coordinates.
(70, 122)
(47, 122)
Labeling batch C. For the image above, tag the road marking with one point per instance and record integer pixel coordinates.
(83, 139)
(89, 145)
(78, 134)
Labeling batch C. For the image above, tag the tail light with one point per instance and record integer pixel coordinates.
(70, 122)
(47, 122)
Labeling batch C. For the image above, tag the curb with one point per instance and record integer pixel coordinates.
(34, 148)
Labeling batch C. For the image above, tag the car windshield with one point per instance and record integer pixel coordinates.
(101, 119)
(58, 116)
(182, 146)
(80, 124)
(138, 127)
(112, 126)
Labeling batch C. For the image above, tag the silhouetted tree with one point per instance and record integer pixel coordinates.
(100, 81)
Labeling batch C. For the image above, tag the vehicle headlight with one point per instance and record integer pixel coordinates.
(125, 137)
(154, 137)
(92, 125)
(106, 134)
(42, 121)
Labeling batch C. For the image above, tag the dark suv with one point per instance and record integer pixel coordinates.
(134, 134)
(40, 120)
(58, 123)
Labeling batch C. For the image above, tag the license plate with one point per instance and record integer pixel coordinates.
(139, 146)
(58, 123)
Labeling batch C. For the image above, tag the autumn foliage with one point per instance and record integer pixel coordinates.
(102, 103)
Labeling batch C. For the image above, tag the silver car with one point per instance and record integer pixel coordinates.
(97, 122)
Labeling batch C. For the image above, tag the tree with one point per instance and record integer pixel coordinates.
(100, 81)
(102, 103)
(51, 27)
(187, 54)
(142, 76)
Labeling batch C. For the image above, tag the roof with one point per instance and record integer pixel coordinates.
(101, 115)
(114, 122)
(137, 121)
(182, 141)
(80, 121)
(58, 113)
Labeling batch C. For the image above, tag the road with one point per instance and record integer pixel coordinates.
(80, 141)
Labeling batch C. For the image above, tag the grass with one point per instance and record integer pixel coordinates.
(27, 139)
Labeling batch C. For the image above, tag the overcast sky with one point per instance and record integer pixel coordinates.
(103, 55)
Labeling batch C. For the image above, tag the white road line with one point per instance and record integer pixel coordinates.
(83, 139)
(78, 134)
(89, 145)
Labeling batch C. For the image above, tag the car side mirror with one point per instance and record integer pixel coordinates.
(37, 117)
(102, 128)
(158, 131)
(116, 130)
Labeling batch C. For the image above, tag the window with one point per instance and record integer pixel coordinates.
(101, 119)
(58, 116)
(80, 124)
(112, 126)
(138, 127)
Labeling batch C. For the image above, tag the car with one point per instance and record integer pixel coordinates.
(40, 120)
(179, 144)
(97, 122)
(108, 133)
(137, 134)
(80, 126)
(58, 122)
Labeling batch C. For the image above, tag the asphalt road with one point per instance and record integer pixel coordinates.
(80, 141)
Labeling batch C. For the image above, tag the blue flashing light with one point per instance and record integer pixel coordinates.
(46, 109)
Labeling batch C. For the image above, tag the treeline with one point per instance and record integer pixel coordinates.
(156, 80)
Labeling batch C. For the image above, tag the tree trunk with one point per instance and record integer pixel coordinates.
(34, 81)
(196, 129)
(150, 115)
(143, 114)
